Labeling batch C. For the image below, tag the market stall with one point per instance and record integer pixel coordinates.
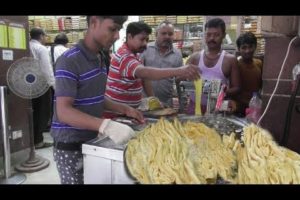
(104, 161)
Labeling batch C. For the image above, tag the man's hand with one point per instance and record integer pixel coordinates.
(117, 132)
(134, 113)
(123, 109)
(232, 106)
(190, 72)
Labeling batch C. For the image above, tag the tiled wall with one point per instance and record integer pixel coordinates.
(275, 117)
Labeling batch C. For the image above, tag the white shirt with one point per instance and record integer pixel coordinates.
(58, 50)
(41, 53)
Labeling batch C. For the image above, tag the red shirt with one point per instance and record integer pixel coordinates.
(122, 86)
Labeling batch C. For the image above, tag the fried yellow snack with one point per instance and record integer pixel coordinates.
(191, 153)
(263, 161)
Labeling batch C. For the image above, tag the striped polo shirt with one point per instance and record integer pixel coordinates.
(122, 85)
(79, 74)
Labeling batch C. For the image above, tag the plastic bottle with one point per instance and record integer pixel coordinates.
(175, 96)
(254, 110)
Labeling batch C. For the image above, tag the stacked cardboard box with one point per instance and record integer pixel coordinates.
(194, 19)
(171, 18)
(250, 24)
(51, 37)
(82, 23)
(150, 20)
(181, 19)
(178, 34)
(55, 24)
(75, 22)
(68, 23)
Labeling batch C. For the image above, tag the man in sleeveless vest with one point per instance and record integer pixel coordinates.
(217, 66)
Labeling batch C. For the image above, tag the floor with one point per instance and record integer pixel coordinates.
(48, 175)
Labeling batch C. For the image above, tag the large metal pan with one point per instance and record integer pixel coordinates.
(223, 125)
(160, 113)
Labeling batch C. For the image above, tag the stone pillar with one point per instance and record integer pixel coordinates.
(278, 32)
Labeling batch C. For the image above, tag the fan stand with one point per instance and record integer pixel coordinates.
(25, 79)
(34, 163)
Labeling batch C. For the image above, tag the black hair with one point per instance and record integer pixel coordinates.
(246, 38)
(135, 28)
(61, 38)
(36, 33)
(119, 19)
(215, 23)
(105, 55)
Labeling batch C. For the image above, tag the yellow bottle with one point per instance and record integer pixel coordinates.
(198, 94)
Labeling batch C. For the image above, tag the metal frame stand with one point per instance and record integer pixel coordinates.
(33, 163)
(16, 178)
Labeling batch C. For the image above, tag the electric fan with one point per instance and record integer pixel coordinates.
(26, 80)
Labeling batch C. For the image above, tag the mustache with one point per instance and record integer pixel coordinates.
(167, 42)
(212, 42)
(248, 54)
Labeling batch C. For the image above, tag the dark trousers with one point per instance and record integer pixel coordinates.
(42, 113)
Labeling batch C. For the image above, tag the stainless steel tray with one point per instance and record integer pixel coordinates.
(134, 124)
(222, 124)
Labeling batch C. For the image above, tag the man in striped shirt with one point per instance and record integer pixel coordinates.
(80, 76)
(124, 84)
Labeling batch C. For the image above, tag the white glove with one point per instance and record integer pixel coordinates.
(117, 132)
